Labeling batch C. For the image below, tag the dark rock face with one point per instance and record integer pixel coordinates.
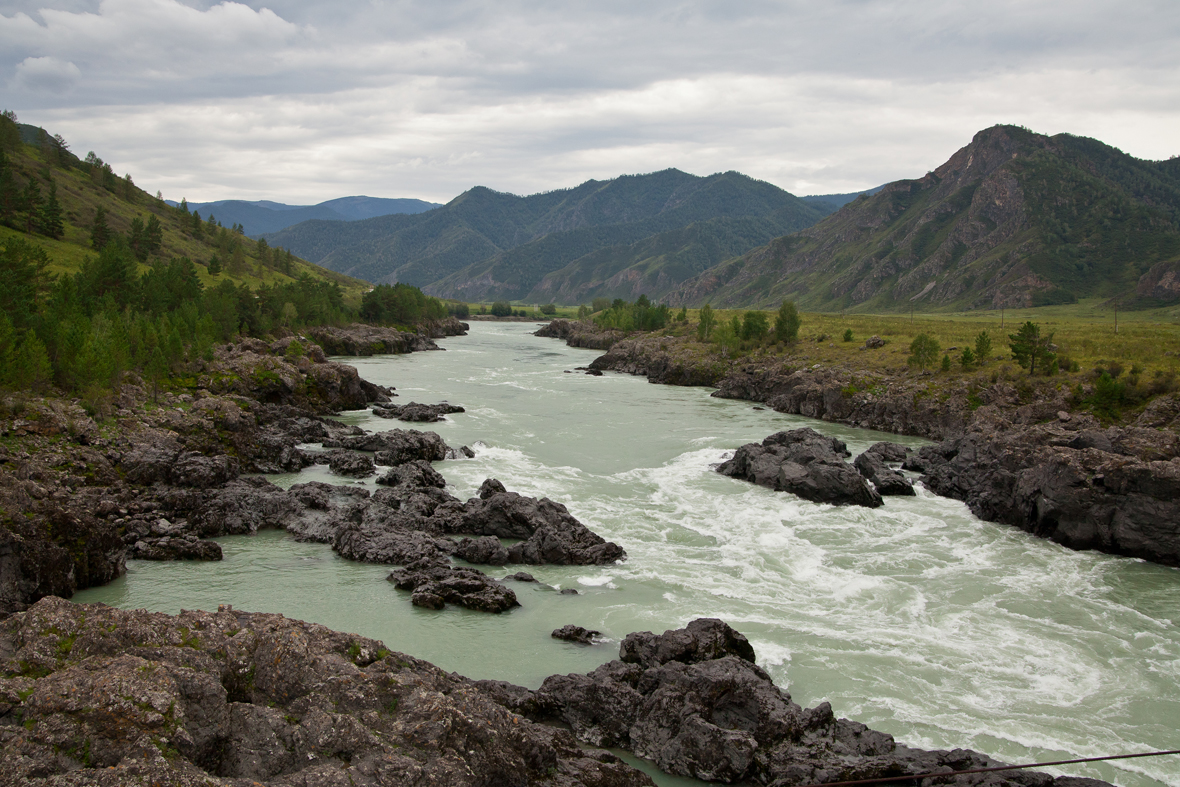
(112, 697)
(1114, 490)
(805, 463)
(884, 478)
(395, 447)
(422, 413)
(580, 334)
(435, 584)
(889, 452)
(350, 463)
(365, 340)
(187, 547)
(572, 633)
(694, 702)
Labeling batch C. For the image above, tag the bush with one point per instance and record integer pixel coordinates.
(1107, 399)
(923, 351)
(946, 362)
(755, 326)
(501, 309)
(548, 308)
(848, 335)
(967, 359)
(459, 310)
(983, 347)
(787, 323)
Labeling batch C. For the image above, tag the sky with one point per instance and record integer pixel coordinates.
(300, 101)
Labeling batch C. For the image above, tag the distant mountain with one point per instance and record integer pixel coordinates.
(263, 216)
(1013, 219)
(489, 245)
(838, 201)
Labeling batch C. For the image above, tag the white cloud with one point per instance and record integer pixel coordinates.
(45, 75)
(302, 101)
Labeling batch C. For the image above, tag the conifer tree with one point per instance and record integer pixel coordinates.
(7, 350)
(50, 221)
(9, 131)
(9, 194)
(130, 193)
(100, 232)
(214, 265)
(198, 227)
(153, 234)
(30, 369)
(137, 239)
(31, 204)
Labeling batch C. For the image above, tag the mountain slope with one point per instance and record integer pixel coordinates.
(264, 216)
(485, 244)
(1012, 219)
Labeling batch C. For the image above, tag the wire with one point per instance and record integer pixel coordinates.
(918, 776)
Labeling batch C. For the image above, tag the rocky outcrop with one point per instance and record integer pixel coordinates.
(396, 446)
(414, 412)
(804, 463)
(1115, 490)
(572, 633)
(885, 479)
(348, 463)
(365, 340)
(576, 333)
(694, 702)
(435, 584)
(93, 695)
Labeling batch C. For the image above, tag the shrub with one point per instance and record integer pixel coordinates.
(1107, 399)
(786, 324)
(923, 351)
(548, 308)
(967, 359)
(706, 324)
(501, 309)
(755, 326)
(946, 362)
(848, 335)
(983, 347)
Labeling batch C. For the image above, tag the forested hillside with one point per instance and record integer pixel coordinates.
(98, 277)
(485, 244)
(1014, 219)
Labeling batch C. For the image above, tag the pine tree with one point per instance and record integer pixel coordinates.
(31, 204)
(10, 196)
(153, 234)
(137, 239)
(1028, 347)
(198, 226)
(130, 193)
(7, 350)
(100, 233)
(30, 369)
(9, 131)
(50, 221)
(214, 265)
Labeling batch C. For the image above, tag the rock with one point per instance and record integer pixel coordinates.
(884, 478)
(874, 342)
(424, 413)
(486, 550)
(396, 446)
(1115, 491)
(550, 534)
(434, 584)
(889, 452)
(805, 463)
(701, 640)
(175, 548)
(112, 697)
(567, 592)
(522, 576)
(572, 633)
(350, 463)
(416, 473)
(365, 340)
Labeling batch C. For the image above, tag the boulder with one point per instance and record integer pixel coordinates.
(421, 413)
(175, 548)
(804, 463)
(889, 452)
(433, 584)
(350, 463)
(572, 633)
(396, 446)
(884, 478)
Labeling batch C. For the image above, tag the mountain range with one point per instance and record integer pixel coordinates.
(263, 216)
(1012, 219)
(622, 237)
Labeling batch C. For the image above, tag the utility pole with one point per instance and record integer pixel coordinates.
(1116, 319)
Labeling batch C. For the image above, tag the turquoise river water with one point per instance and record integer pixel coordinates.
(916, 618)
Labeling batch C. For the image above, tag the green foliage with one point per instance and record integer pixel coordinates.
(599, 305)
(1029, 347)
(946, 362)
(848, 335)
(23, 278)
(682, 316)
(923, 351)
(548, 308)
(100, 231)
(49, 220)
(983, 347)
(967, 359)
(787, 323)
(399, 304)
(755, 326)
(639, 316)
(30, 367)
(459, 310)
(706, 321)
(501, 309)
(1108, 396)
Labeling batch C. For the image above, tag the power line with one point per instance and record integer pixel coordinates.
(918, 776)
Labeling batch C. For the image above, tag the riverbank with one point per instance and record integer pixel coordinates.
(1018, 450)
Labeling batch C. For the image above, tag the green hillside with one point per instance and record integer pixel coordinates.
(1015, 219)
(84, 185)
(489, 245)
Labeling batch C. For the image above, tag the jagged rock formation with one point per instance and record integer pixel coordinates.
(92, 695)
(416, 413)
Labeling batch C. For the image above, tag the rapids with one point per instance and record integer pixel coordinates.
(916, 618)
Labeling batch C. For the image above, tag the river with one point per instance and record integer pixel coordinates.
(916, 618)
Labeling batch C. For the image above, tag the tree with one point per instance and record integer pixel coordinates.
(7, 350)
(137, 239)
(967, 359)
(198, 227)
(30, 203)
(599, 305)
(983, 347)
(848, 335)
(50, 221)
(923, 351)
(214, 265)
(683, 315)
(153, 234)
(547, 308)
(30, 368)
(9, 131)
(946, 362)
(1029, 347)
(100, 232)
(23, 277)
(501, 309)
(706, 322)
(786, 324)
(583, 313)
(130, 193)
(754, 326)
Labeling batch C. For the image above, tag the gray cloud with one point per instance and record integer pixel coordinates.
(302, 101)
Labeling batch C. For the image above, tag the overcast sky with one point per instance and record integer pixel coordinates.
(301, 101)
